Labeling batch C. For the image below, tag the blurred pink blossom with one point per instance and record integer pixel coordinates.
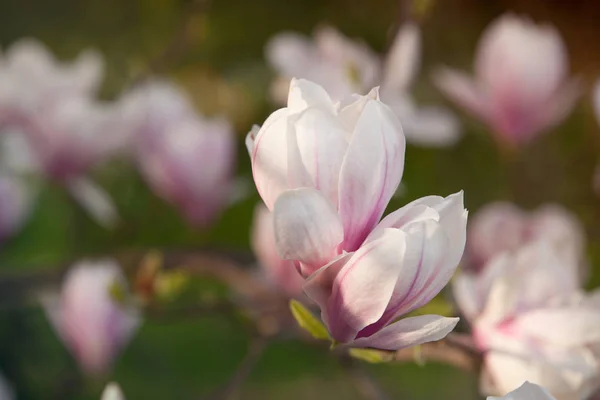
(527, 391)
(533, 324)
(521, 85)
(63, 131)
(187, 159)
(502, 226)
(93, 315)
(353, 156)
(282, 273)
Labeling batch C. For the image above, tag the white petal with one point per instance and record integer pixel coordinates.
(409, 332)
(316, 149)
(269, 157)
(95, 201)
(403, 59)
(112, 392)
(527, 391)
(563, 326)
(363, 288)
(304, 94)
(371, 171)
(461, 89)
(307, 227)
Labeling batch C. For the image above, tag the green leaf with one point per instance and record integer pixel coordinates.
(308, 321)
(371, 355)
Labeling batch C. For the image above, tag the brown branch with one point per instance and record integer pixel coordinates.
(451, 350)
(244, 369)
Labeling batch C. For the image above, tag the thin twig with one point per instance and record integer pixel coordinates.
(448, 351)
(244, 369)
(365, 384)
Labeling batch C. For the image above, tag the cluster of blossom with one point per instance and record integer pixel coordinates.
(53, 126)
(326, 167)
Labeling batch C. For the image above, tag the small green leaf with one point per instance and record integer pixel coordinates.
(371, 355)
(308, 321)
(418, 356)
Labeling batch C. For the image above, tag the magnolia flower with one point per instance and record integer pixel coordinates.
(534, 325)
(521, 86)
(426, 126)
(112, 392)
(93, 314)
(186, 159)
(353, 155)
(527, 391)
(340, 65)
(502, 226)
(404, 262)
(62, 130)
(281, 272)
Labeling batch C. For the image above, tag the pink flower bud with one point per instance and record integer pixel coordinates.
(521, 84)
(187, 159)
(354, 157)
(93, 315)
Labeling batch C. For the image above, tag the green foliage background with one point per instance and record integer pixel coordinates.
(224, 71)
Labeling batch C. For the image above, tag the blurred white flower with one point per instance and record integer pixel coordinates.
(521, 85)
(527, 391)
(533, 323)
(187, 159)
(48, 114)
(93, 314)
(6, 391)
(112, 392)
(342, 66)
(16, 203)
(502, 226)
(423, 126)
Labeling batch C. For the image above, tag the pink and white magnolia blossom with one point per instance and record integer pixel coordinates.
(527, 391)
(93, 315)
(353, 155)
(187, 159)
(112, 391)
(521, 85)
(281, 272)
(502, 226)
(424, 126)
(330, 59)
(51, 107)
(534, 324)
(403, 263)
(328, 172)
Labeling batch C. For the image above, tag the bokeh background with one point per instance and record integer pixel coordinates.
(218, 59)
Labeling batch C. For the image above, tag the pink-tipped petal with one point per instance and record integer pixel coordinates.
(363, 288)
(461, 89)
(371, 172)
(409, 332)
